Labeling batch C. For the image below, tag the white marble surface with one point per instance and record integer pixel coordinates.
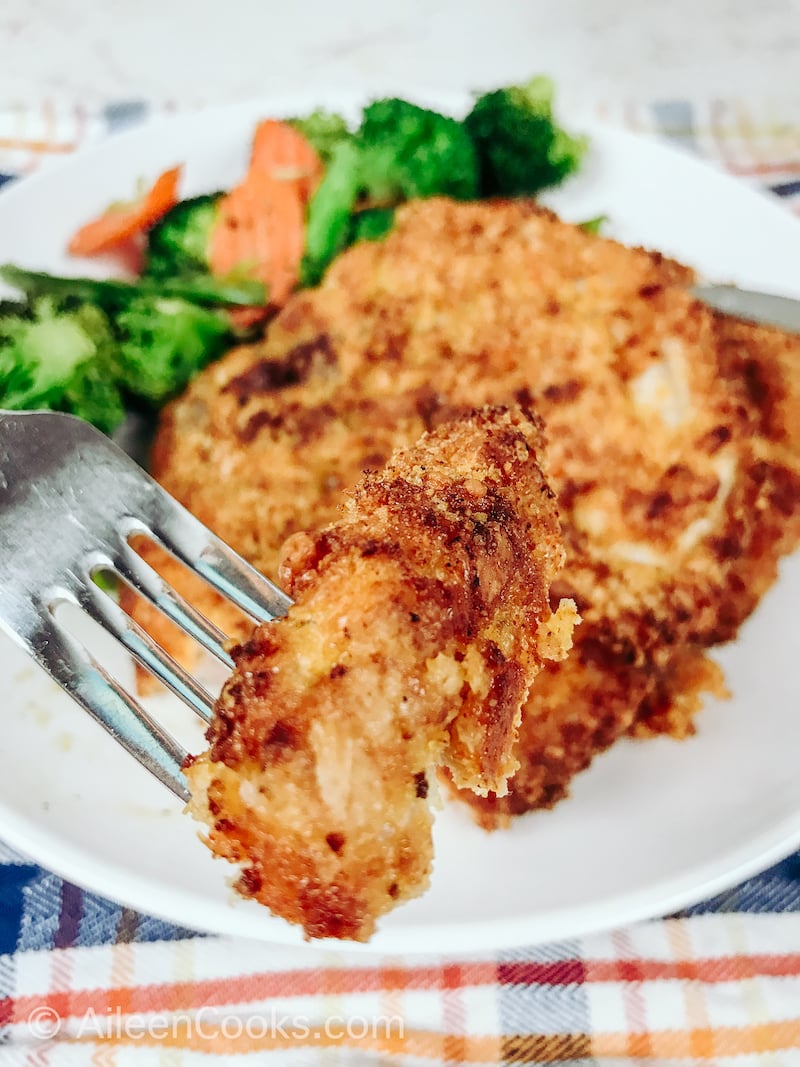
(195, 51)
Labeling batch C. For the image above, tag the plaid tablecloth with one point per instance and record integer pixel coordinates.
(84, 980)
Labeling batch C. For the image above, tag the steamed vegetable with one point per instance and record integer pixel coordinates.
(260, 229)
(372, 224)
(255, 231)
(180, 243)
(216, 266)
(64, 360)
(164, 342)
(260, 235)
(329, 216)
(399, 152)
(595, 225)
(123, 221)
(408, 151)
(90, 347)
(324, 131)
(283, 154)
(520, 147)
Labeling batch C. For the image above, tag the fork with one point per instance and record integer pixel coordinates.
(70, 503)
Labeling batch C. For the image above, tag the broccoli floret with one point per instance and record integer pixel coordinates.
(408, 151)
(520, 148)
(64, 360)
(164, 342)
(179, 243)
(400, 151)
(13, 308)
(324, 130)
(66, 353)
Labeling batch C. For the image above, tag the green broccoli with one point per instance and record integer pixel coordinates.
(179, 243)
(400, 151)
(12, 307)
(63, 360)
(164, 342)
(87, 346)
(408, 151)
(324, 130)
(520, 148)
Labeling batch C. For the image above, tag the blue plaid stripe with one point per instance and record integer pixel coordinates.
(40, 911)
(14, 878)
(124, 114)
(777, 889)
(675, 119)
(549, 952)
(41, 907)
(786, 189)
(542, 1009)
(33, 904)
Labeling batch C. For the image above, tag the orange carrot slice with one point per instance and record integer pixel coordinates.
(120, 223)
(282, 152)
(260, 231)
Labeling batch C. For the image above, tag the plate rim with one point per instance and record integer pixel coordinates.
(176, 906)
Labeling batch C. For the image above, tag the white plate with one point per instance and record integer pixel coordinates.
(650, 827)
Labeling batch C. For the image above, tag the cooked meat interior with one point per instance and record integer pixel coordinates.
(421, 618)
(673, 437)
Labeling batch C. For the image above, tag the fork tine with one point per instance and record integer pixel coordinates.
(144, 649)
(241, 583)
(221, 567)
(74, 668)
(141, 577)
(59, 473)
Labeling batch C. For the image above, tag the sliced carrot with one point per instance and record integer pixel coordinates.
(119, 224)
(283, 153)
(260, 231)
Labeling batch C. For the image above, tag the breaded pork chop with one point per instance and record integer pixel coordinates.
(673, 442)
(421, 617)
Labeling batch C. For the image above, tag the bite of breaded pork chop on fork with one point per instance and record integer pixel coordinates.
(421, 618)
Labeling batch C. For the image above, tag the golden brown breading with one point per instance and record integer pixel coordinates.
(573, 714)
(580, 707)
(673, 439)
(421, 618)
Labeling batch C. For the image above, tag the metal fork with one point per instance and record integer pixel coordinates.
(70, 502)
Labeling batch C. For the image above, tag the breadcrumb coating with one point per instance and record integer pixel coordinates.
(421, 618)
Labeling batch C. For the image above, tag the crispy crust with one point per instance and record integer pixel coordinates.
(573, 714)
(421, 618)
(673, 439)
